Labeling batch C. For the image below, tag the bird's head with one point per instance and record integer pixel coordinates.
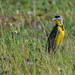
(58, 19)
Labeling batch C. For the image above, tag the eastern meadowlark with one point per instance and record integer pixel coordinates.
(57, 34)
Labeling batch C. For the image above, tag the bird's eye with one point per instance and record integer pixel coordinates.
(57, 16)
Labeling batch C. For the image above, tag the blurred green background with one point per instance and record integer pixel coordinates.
(24, 28)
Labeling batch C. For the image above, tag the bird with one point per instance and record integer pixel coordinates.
(56, 36)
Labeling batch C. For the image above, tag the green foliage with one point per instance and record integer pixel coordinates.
(23, 37)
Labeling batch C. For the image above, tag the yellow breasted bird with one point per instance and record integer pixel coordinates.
(57, 34)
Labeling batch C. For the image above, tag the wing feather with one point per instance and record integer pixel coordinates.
(51, 45)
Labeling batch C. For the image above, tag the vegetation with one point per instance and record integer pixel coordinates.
(24, 28)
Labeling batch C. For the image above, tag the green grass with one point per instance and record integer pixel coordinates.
(23, 37)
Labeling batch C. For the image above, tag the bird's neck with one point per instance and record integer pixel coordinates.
(59, 22)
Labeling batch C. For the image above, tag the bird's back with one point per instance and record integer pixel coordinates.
(51, 39)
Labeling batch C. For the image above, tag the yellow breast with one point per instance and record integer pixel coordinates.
(60, 36)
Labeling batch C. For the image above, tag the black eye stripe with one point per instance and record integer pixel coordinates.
(57, 16)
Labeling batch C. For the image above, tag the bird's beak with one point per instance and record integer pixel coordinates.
(54, 19)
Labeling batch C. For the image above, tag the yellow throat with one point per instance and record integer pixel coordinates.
(58, 22)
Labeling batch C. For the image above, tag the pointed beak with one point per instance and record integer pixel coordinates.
(54, 19)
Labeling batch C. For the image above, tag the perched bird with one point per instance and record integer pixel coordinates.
(57, 34)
